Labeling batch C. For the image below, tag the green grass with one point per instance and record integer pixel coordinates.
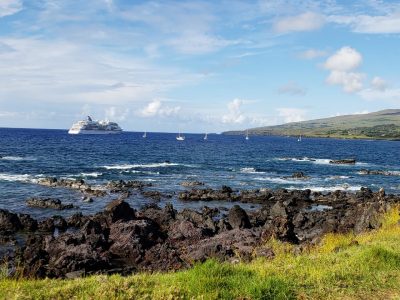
(378, 125)
(366, 266)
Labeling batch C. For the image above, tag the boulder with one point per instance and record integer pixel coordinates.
(48, 203)
(119, 210)
(238, 217)
(9, 221)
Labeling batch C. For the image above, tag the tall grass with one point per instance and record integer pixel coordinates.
(365, 266)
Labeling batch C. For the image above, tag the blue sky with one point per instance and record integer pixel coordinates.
(195, 66)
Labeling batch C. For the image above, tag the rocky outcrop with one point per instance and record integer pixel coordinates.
(48, 203)
(350, 161)
(379, 172)
(191, 183)
(121, 239)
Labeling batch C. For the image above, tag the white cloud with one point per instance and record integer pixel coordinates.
(234, 114)
(304, 22)
(292, 88)
(345, 59)
(289, 114)
(341, 66)
(370, 24)
(113, 113)
(312, 53)
(350, 81)
(10, 7)
(64, 71)
(157, 108)
(378, 83)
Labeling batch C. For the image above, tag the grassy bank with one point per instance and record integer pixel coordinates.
(366, 266)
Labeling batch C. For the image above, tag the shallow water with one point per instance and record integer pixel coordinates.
(28, 154)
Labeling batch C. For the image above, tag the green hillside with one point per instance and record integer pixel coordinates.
(383, 124)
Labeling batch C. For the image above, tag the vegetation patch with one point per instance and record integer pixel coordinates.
(366, 266)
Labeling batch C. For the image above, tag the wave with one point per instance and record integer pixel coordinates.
(93, 174)
(138, 166)
(318, 161)
(17, 158)
(251, 171)
(343, 187)
(336, 177)
(17, 177)
(280, 180)
(140, 172)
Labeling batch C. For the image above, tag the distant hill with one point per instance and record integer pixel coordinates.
(383, 124)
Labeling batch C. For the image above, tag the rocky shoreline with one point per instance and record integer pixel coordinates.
(123, 240)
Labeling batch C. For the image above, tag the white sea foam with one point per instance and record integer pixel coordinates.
(16, 177)
(336, 177)
(93, 174)
(251, 171)
(17, 158)
(280, 180)
(140, 172)
(343, 187)
(138, 166)
(318, 161)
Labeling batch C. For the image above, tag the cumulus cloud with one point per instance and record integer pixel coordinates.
(10, 7)
(304, 22)
(345, 59)
(312, 53)
(113, 113)
(342, 67)
(350, 81)
(292, 88)
(290, 114)
(234, 114)
(158, 108)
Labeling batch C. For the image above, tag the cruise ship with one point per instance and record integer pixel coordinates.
(89, 126)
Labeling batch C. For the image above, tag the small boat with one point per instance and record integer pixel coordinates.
(144, 135)
(180, 137)
(299, 139)
(247, 134)
(205, 137)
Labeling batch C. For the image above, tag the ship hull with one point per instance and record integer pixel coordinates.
(97, 132)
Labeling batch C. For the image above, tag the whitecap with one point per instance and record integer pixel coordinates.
(16, 177)
(17, 158)
(138, 166)
(336, 177)
(279, 180)
(93, 174)
(343, 187)
(251, 171)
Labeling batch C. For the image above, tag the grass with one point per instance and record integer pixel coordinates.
(365, 266)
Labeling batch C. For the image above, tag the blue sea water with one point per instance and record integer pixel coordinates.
(260, 162)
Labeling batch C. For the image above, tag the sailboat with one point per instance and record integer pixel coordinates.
(180, 137)
(144, 135)
(299, 139)
(247, 134)
(205, 137)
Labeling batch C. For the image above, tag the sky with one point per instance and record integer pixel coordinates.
(195, 66)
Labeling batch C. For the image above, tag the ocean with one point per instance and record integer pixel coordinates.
(260, 162)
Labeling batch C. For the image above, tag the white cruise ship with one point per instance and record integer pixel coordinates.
(94, 127)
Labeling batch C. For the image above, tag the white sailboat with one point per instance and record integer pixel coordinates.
(247, 134)
(205, 137)
(299, 139)
(144, 135)
(180, 137)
